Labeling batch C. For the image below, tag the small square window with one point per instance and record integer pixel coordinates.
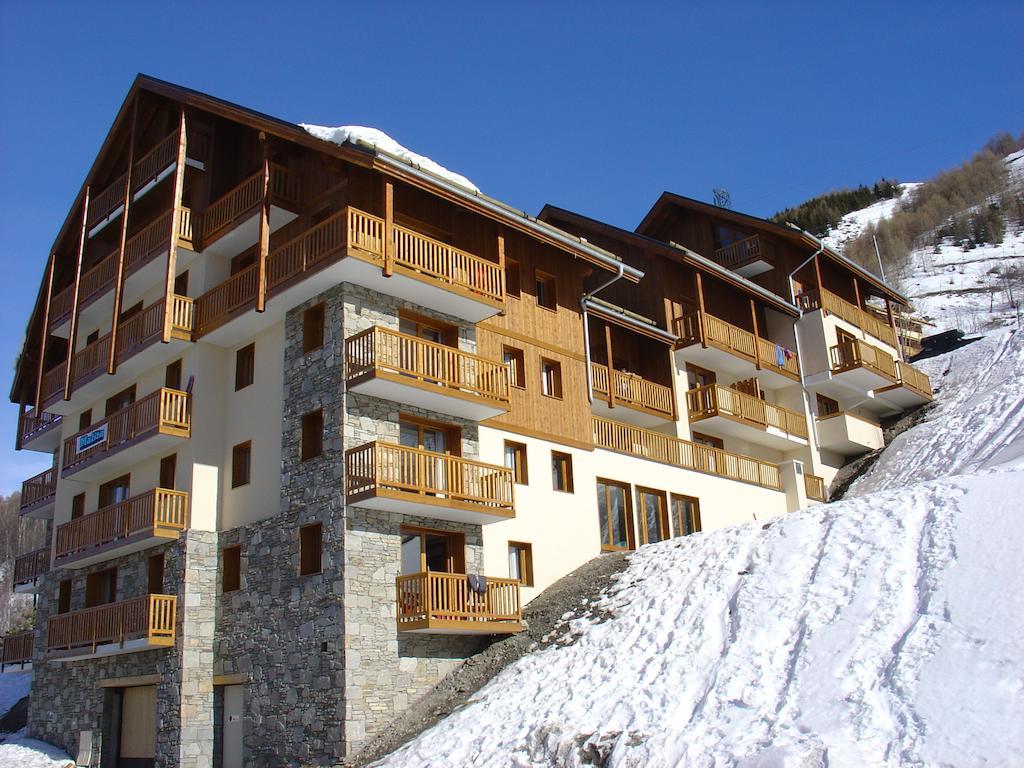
(241, 464)
(515, 459)
(313, 328)
(516, 364)
(513, 286)
(310, 549)
(551, 378)
(561, 471)
(520, 562)
(231, 569)
(312, 442)
(546, 295)
(245, 366)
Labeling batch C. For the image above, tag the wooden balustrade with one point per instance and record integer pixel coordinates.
(829, 302)
(715, 400)
(30, 566)
(165, 411)
(909, 376)
(285, 186)
(90, 361)
(692, 327)
(814, 487)
(159, 512)
(855, 353)
(35, 424)
(381, 349)
(39, 489)
(445, 601)
(52, 387)
(148, 617)
(365, 232)
(140, 330)
(224, 213)
(149, 167)
(633, 390)
(108, 200)
(216, 306)
(306, 251)
(97, 280)
(740, 252)
(387, 467)
(18, 647)
(648, 444)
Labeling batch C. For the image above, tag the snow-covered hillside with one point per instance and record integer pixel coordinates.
(884, 630)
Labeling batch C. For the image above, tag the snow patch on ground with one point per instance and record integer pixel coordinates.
(353, 134)
(855, 222)
(29, 753)
(14, 686)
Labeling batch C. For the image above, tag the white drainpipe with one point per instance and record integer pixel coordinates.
(796, 335)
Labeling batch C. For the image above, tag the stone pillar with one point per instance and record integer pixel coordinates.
(198, 595)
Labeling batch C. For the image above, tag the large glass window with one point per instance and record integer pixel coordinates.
(437, 551)
(614, 515)
(685, 514)
(653, 515)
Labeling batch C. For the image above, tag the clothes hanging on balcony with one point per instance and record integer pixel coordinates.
(477, 583)
(780, 356)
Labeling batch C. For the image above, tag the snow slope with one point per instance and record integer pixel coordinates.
(14, 687)
(29, 753)
(855, 222)
(884, 630)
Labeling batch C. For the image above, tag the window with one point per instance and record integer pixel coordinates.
(561, 471)
(172, 375)
(546, 291)
(101, 588)
(520, 562)
(551, 378)
(709, 440)
(515, 459)
(827, 406)
(168, 470)
(231, 569)
(181, 284)
(312, 441)
(156, 574)
(429, 435)
(115, 491)
(64, 596)
(243, 260)
(245, 366)
(131, 312)
(425, 550)
(310, 545)
(516, 364)
(121, 400)
(698, 377)
(685, 515)
(85, 420)
(513, 287)
(653, 515)
(77, 506)
(423, 327)
(313, 328)
(241, 464)
(614, 515)
(92, 337)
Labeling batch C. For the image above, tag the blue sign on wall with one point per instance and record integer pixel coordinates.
(91, 438)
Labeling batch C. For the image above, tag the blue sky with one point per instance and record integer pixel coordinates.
(596, 107)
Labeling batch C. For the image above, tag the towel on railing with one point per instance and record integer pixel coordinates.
(477, 583)
(780, 356)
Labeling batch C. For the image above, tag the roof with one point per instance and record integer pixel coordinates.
(791, 233)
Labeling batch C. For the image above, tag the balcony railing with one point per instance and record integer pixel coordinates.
(387, 468)
(740, 252)
(18, 647)
(647, 444)
(31, 566)
(909, 376)
(814, 487)
(715, 400)
(34, 424)
(149, 618)
(165, 411)
(445, 602)
(157, 513)
(383, 350)
(694, 326)
(39, 490)
(223, 214)
(632, 390)
(851, 313)
(855, 353)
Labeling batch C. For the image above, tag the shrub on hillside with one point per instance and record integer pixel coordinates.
(821, 213)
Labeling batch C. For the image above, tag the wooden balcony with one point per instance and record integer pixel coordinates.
(435, 485)
(38, 431)
(407, 369)
(132, 525)
(848, 434)
(655, 446)
(642, 402)
(861, 366)
(727, 413)
(38, 494)
(747, 257)
(728, 349)
(230, 224)
(139, 624)
(814, 487)
(444, 604)
(18, 648)
(913, 388)
(149, 426)
(830, 304)
(29, 567)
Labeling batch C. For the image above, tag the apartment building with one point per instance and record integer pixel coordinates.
(322, 421)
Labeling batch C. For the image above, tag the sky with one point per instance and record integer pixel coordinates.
(595, 107)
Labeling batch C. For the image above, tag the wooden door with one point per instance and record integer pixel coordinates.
(138, 727)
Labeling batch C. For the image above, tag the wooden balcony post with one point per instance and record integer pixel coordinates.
(119, 275)
(389, 228)
(757, 347)
(73, 332)
(892, 324)
(611, 369)
(861, 313)
(40, 368)
(700, 305)
(172, 251)
(501, 267)
(817, 276)
(264, 243)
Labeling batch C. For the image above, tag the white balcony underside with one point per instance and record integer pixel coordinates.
(432, 397)
(44, 442)
(730, 367)
(901, 397)
(723, 426)
(12, 668)
(26, 589)
(247, 233)
(754, 268)
(141, 192)
(408, 505)
(851, 390)
(848, 437)
(626, 413)
(109, 649)
(42, 512)
(133, 453)
(113, 550)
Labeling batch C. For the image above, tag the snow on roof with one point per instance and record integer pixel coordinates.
(358, 134)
